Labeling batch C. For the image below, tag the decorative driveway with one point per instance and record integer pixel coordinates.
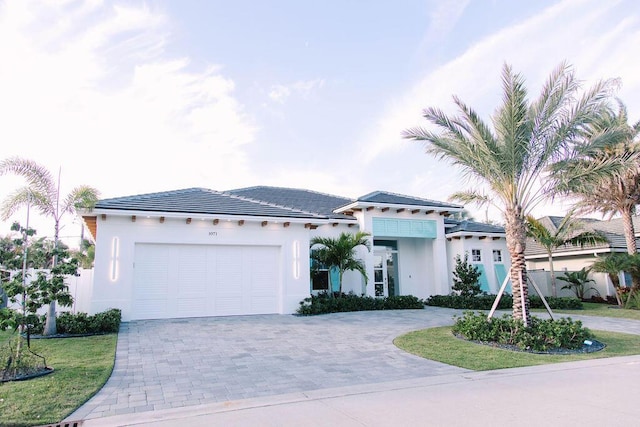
(163, 364)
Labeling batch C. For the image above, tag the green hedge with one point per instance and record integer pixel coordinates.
(323, 303)
(541, 335)
(80, 323)
(484, 302)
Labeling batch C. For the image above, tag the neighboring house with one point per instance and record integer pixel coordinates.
(199, 252)
(574, 258)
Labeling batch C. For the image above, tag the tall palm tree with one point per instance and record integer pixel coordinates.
(511, 157)
(340, 253)
(42, 192)
(609, 195)
(612, 264)
(566, 233)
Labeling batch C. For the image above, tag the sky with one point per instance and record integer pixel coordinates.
(134, 97)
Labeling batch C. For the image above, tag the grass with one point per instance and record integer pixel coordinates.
(440, 345)
(602, 310)
(82, 366)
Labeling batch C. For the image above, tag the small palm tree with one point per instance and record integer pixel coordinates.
(567, 233)
(612, 264)
(576, 281)
(341, 253)
(43, 192)
(512, 156)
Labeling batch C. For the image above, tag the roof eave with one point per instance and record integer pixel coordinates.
(363, 205)
(212, 216)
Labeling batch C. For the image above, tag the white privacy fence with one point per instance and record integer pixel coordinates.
(80, 288)
(543, 280)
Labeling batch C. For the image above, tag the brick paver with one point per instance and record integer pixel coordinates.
(173, 363)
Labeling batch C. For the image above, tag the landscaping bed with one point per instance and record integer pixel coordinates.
(324, 303)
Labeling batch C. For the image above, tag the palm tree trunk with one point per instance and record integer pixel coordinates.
(554, 289)
(50, 326)
(516, 242)
(629, 232)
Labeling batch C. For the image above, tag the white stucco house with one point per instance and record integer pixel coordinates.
(198, 252)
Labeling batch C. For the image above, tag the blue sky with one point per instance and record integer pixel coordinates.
(142, 96)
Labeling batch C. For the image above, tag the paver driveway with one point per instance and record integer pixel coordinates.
(164, 364)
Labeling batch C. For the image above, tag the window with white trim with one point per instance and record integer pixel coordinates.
(497, 255)
(476, 256)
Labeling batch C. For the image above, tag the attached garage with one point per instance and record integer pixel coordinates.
(179, 280)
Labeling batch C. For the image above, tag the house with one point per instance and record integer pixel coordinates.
(200, 252)
(574, 258)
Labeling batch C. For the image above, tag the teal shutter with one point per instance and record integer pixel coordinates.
(484, 284)
(501, 274)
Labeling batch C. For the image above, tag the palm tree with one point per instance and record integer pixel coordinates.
(567, 233)
(43, 192)
(341, 253)
(609, 195)
(612, 264)
(511, 158)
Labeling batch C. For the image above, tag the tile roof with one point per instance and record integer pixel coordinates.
(303, 200)
(474, 227)
(400, 199)
(201, 201)
(612, 229)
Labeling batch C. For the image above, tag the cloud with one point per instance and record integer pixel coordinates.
(302, 88)
(89, 87)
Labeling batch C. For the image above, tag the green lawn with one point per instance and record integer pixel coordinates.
(82, 366)
(439, 344)
(602, 310)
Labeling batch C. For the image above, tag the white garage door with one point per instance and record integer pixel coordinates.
(197, 280)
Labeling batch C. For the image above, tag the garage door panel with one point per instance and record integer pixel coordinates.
(205, 280)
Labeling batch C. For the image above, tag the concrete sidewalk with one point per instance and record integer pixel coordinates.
(586, 393)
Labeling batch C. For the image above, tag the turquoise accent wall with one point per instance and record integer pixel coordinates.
(484, 284)
(501, 274)
(334, 278)
(392, 227)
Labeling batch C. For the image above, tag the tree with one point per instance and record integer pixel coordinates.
(612, 264)
(511, 157)
(567, 233)
(86, 254)
(576, 281)
(43, 192)
(614, 194)
(608, 194)
(465, 277)
(341, 253)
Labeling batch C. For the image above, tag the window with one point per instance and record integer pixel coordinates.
(475, 255)
(497, 255)
(319, 276)
(320, 280)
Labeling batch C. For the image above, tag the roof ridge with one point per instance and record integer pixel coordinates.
(406, 196)
(291, 188)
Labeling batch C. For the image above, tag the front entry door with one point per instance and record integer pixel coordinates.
(385, 273)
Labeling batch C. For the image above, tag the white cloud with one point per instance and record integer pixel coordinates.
(303, 88)
(88, 87)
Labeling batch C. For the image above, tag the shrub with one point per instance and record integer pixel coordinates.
(541, 335)
(81, 323)
(485, 302)
(478, 302)
(324, 303)
(465, 277)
